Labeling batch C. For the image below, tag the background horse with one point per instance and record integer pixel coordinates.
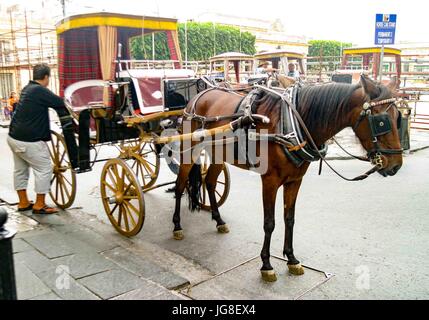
(284, 81)
(326, 110)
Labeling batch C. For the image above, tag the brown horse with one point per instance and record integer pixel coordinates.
(326, 110)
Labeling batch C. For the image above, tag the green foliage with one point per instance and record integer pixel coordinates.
(203, 41)
(142, 50)
(330, 52)
(326, 48)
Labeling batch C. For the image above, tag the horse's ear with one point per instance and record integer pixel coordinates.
(369, 86)
(394, 84)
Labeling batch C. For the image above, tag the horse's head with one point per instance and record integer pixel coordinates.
(376, 121)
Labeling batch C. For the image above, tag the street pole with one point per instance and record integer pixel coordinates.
(153, 46)
(15, 53)
(214, 38)
(381, 62)
(28, 46)
(63, 4)
(7, 274)
(186, 42)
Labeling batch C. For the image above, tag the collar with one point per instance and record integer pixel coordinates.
(34, 82)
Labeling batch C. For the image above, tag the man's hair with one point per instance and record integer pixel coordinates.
(40, 71)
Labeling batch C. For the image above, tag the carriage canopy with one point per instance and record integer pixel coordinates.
(371, 59)
(281, 58)
(88, 43)
(241, 63)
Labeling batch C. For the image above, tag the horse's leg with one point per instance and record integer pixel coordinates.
(211, 180)
(290, 193)
(181, 181)
(270, 186)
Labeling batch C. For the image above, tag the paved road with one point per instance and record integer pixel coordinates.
(372, 235)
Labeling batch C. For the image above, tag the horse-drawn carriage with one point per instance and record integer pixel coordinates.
(231, 67)
(280, 60)
(112, 103)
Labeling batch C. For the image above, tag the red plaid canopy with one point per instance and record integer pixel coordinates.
(78, 57)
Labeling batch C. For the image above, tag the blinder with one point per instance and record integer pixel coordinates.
(380, 124)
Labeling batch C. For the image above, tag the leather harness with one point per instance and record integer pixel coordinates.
(294, 135)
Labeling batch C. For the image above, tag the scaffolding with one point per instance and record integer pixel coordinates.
(25, 44)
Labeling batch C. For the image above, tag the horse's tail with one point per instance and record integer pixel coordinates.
(194, 187)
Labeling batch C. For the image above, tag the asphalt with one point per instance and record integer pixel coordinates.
(371, 235)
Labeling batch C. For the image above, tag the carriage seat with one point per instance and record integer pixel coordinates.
(146, 87)
(83, 95)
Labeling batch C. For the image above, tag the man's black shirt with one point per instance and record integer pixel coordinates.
(30, 122)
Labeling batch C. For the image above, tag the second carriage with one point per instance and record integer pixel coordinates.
(120, 102)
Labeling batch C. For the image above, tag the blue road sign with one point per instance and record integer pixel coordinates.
(385, 28)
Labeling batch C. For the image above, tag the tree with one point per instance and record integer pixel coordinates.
(326, 47)
(326, 53)
(203, 41)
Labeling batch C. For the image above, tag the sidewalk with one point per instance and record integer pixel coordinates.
(56, 258)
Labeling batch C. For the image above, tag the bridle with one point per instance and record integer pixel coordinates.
(380, 124)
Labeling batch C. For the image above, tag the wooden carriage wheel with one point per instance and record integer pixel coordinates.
(143, 159)
(222, 185)
(63, 182)
(122, 197)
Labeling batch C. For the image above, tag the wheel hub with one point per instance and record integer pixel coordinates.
(56, 169)
(119, 197)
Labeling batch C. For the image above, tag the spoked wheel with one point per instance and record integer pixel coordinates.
(143, 159)
(63, 182)
(122, 197)
(222, 185)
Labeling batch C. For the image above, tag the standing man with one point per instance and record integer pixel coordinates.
(28, 133)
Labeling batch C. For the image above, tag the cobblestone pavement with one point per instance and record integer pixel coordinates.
(57, 258)
(374, 230)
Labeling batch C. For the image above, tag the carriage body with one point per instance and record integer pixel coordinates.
(104, 91)
(281, 58)
(231, 67)
(368, 62)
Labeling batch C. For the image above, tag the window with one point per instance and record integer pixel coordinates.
(6, 84)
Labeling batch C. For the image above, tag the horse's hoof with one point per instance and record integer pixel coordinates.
(223, 228)
(268, 275)
(296, 269)
(178, 235)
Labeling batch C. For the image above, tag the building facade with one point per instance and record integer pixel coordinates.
(27, 37)
(270, 34)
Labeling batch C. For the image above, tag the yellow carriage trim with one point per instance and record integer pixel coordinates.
(277, 54)
(360, 51)
(115, 20)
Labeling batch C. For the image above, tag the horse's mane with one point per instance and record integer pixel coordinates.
(320, 106)
(323, 106)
